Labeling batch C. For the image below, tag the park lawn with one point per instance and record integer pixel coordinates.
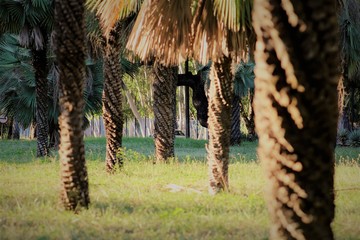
(136, 203)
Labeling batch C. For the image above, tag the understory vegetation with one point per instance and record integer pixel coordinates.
(147, 201)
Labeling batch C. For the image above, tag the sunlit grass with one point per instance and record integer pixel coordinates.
(137, 204)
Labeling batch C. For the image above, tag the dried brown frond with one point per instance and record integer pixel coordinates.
(162, 31)
(110, 11)
(213, 36)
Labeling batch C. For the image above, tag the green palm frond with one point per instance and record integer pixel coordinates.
(17, 83)
(350, 34)
(129, 67)
(235, 14)
(94, 87)
(244, 78)
(111, 11)
(94, 35)
(29, 18)
(162, 30)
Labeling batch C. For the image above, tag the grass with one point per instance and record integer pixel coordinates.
(136, 203)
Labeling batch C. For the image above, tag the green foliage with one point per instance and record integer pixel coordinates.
(17, 83)
(350, 34)
(31, 19)
(244, 78)
(354, 138)
(138, 82)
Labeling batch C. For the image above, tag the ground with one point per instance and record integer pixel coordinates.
(136, 203)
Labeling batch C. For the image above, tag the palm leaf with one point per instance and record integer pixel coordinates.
(244, 78)
(111, 11)
(350, 34)
(215, 33)
(162, 30)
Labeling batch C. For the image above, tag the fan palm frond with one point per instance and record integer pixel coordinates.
(217, 30)
(110, 11)
(162, 30)
(244, 78)
(350, 34)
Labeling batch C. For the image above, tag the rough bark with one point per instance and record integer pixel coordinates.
(248, 117)
(296, 113)
(235, 136)
(112, 101)
(39, 59)
(219, 124)
(70, 53)
(113, 94)
(164, 85)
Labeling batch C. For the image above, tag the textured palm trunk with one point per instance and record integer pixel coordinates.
(112, 100)
(41, 85)
(70, 53)
(296, 113)
(164, 85)
(219, 124)
(235, 136)
(248, 117)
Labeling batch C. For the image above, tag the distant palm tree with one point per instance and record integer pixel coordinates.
(297, 59)
(112, 94)
(243, 84)
(70, 56)
(33, 21)
(164, 85)
(349, 18)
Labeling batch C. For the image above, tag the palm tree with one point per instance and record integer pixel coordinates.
(164, 85)
(297, 60)
(112, 40)
(349, 18)
(33, 20)
(70, 56)
(243, 83)
(112, 94)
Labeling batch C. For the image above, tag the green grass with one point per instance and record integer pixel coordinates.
(136, 203)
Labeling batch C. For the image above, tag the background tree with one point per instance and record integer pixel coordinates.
(33, 21)
(17, 86)
(297, 61)
(349, 19)
(70, 56)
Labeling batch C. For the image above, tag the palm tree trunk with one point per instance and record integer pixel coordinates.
(16, 130)
(235, 136)
(164, 85)
(112, 93)
(70, 53)
(296, 113)
(39, 59)
(112, 101)
(248, 117)
(219, 124)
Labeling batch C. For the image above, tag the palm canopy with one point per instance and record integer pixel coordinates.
(172, 30)
(31, 19)
(110, 11)
(350, 35)
(17, 83)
